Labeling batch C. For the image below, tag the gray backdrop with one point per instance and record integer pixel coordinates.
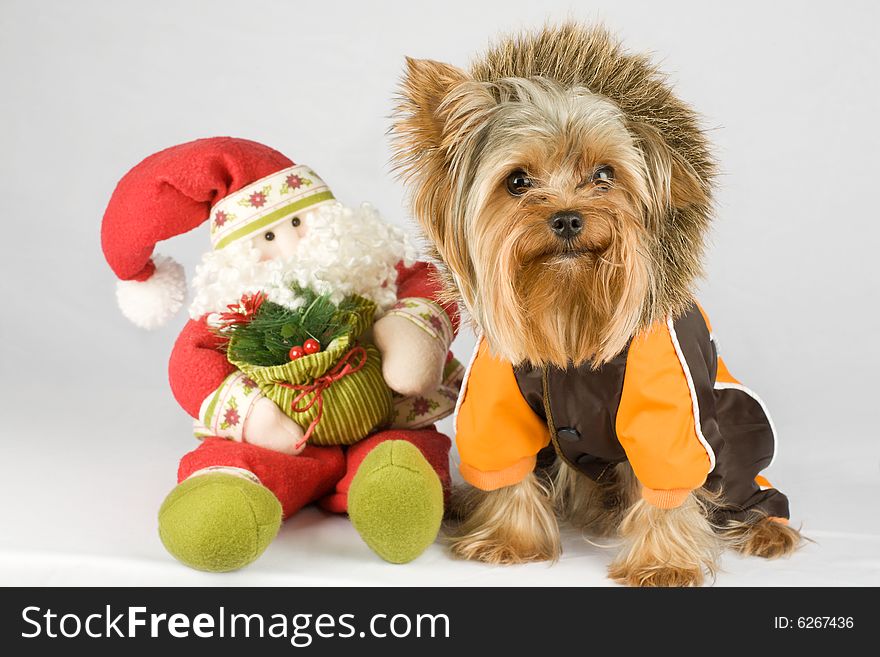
(90, 432)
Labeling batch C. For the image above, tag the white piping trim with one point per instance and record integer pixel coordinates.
(694, 403)
(721, 385)
(464, 380)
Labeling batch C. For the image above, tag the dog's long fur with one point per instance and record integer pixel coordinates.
(513, 525)
(560, 90)
(559, 105)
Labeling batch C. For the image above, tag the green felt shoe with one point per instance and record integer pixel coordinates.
(396, 501)
(218, 522)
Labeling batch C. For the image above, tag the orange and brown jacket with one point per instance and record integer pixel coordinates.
(667, 404)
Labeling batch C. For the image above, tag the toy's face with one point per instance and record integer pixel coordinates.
(281, 240)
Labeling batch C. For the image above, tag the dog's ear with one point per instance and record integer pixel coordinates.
(435, 111)
(425, 85)
(678, 208)
(673, 183)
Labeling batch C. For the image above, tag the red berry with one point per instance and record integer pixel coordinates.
(296, 352)
(312, 346)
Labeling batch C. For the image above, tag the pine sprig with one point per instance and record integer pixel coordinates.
(267, 337)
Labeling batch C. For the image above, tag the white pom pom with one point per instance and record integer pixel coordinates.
(151, 303)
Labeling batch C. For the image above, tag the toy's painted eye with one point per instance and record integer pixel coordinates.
(518, 183)
(269, 236)
(296, 221)
(603, 176)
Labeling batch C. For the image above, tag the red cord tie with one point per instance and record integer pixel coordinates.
(346, 365)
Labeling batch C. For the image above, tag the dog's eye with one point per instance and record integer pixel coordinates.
(296, 221)
(604, 176)
(269, 236)
(518, 183)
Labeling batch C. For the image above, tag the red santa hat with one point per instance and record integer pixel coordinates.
(243, 187)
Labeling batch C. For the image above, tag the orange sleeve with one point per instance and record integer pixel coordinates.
(657, 420)
(497, 433)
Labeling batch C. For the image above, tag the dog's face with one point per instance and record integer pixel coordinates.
(548, 206)
(552, 222)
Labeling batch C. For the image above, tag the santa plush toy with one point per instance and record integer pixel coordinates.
(273, 223)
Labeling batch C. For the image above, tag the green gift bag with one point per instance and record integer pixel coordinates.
(338, 393)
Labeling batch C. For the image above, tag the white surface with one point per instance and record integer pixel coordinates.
(89, 433)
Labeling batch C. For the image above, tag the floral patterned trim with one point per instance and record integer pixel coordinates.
(224, 412)
(220, 219)
(428, 316)
(256, 199)
(294, 181)
(265, 203)
(420, 411)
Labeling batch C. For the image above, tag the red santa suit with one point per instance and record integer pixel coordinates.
(198, 370)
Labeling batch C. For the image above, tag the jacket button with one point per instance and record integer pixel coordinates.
(568, 434)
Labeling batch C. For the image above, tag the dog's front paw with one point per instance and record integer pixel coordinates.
(510, 525)
(655, 575)
(503, 551)
(666, 547)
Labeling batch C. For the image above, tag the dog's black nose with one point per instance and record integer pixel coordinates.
(567, 224)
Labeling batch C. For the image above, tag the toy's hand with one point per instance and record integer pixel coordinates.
(412, 360)
(268, 426)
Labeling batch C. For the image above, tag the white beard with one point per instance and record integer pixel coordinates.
(345, 251)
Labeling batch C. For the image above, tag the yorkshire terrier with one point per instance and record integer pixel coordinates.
(567, 193)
